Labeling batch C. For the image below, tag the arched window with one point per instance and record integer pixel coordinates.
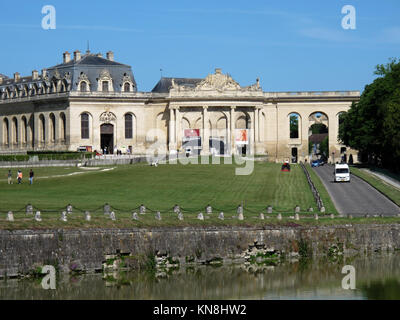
(127, 87)
(105, 86)
(24, 128)
(294, 125)
(83, 86)
(6, 132)
(63, 127)
(52, 127)
(42, 130)
(84, 126)
(128, 126)
(15, 131)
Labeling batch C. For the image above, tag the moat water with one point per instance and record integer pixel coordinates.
(377, 277)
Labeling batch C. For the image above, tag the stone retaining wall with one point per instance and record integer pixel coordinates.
(22, 251)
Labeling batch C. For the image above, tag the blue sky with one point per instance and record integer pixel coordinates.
(290, 45)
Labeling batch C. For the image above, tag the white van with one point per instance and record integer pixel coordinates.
(342, 173)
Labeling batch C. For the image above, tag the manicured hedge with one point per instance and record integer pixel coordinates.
(48, 155)
(14, 157)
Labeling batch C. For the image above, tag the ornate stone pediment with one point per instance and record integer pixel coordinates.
(218, 81)
(83, 77)
(107, 117)
(105, 75)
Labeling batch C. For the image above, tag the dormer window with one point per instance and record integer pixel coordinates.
(83, 86)
(127, 87)
(105, 86)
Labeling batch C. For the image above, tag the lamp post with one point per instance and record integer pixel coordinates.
(333, 157)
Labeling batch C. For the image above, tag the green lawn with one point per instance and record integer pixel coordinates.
(388, 190)
(159, 188)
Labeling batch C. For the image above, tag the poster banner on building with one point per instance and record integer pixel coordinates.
(242, 136)
(192, 132)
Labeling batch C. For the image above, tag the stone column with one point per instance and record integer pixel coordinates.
(1, 133)
(36, 142)
(256, 124)
(171, 129)
(252, 130)
(178, 128)
(206, 133)
(232, 130)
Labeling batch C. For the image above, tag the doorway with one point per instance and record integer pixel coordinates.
(107, 138)
(294, 155)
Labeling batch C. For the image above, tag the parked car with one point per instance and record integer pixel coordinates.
(317, 163)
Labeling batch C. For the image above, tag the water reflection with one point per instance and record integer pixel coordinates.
(377, 277)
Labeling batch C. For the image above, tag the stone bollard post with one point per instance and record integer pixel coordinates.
(107, 209)
(350, 216)
(158, 215)
(37, 216)
(297, 209)
(63, 216)
(262, 216)
(310, 209)
(316, 216)
(240, 216)
(29, 209)
(180, 216)
(69, 209)
(87, 216)
(279, 217)
(296, 217)
(332, 216)
(239, 210)
(135, 216)
(269, 209)
(142, 209)
(322, 210)
(10, 216)
(221, 216)
(112, 216)
(208, 209)
(200, 216)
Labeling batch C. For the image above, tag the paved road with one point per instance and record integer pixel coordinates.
(357, 197)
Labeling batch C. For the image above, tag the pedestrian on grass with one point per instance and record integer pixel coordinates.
(19, 176)
(31, 176)
(9, 175)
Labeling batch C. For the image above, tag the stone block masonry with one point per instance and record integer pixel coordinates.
(23, 251)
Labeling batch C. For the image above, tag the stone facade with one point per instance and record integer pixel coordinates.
(91, 101)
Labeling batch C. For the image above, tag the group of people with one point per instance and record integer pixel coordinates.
(19, 177)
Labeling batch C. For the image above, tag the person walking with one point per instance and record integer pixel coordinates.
(19, 176)
(31, 176)
(9, 175)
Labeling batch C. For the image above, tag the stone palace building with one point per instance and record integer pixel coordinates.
(91, 102)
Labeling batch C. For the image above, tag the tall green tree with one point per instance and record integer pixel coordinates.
(372, 125)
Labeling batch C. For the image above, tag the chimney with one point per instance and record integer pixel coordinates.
(77, 55)
(110, 55)
(44, 73)
(99, 55)
(35, 75)
(66, 57)
(16, 76)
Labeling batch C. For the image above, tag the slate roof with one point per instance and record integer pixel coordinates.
(164, 84)
(89, 64)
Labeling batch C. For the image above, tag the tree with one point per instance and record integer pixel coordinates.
(372, 125)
